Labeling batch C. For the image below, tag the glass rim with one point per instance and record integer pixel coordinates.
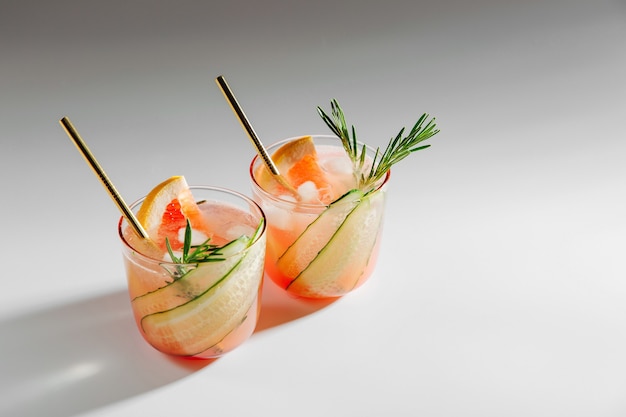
(301, 205)
(140, 200)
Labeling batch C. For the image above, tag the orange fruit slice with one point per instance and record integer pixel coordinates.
(291, 152)
(307, 169)
(284, 158)
(165, 210)
(297, 161)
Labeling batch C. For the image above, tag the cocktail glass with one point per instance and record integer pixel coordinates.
(206, 309)
(322, 250)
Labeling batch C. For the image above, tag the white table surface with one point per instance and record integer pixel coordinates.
(501, 285)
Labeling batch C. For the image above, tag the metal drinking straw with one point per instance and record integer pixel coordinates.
(104, 179)
(267, 160)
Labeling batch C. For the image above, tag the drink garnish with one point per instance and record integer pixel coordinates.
(397, 149)
(205, 251)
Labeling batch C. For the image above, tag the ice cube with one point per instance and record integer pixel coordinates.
(239, 230)
(337, 165)
(288, 197)
(308, 192)
(197, 237)
(277, 216)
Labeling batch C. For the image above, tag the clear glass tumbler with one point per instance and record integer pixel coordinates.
(320, 249)
(205, 309)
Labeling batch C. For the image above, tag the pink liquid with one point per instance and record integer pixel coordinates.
(288, 220)
(210, 310)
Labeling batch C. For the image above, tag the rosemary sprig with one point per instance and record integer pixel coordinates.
(204, 252)
(398, 148)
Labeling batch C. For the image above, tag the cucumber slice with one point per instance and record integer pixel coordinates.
(343, 260)
(204, 321)
(193, 283)
(306, 247)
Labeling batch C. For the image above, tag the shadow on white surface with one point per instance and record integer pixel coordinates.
(77, 357)
(80, 356)
(278, 307)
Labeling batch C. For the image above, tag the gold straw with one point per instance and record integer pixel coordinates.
(230, 97)
(104, 179)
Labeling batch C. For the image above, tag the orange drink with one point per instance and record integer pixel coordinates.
(323, 242)
(324, 198)
(195, 287)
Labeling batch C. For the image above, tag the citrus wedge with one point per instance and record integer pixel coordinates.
(293, 151)
(165, 210)
(307, 169)
(297, 160)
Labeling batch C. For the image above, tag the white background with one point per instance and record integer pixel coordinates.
(500, 289)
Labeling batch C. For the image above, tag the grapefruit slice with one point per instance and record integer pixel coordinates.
(291, 152)
(307, 169)
(165, 210)
(297, 161)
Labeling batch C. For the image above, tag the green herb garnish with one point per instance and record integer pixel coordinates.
(204, 252)
(398, 148)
